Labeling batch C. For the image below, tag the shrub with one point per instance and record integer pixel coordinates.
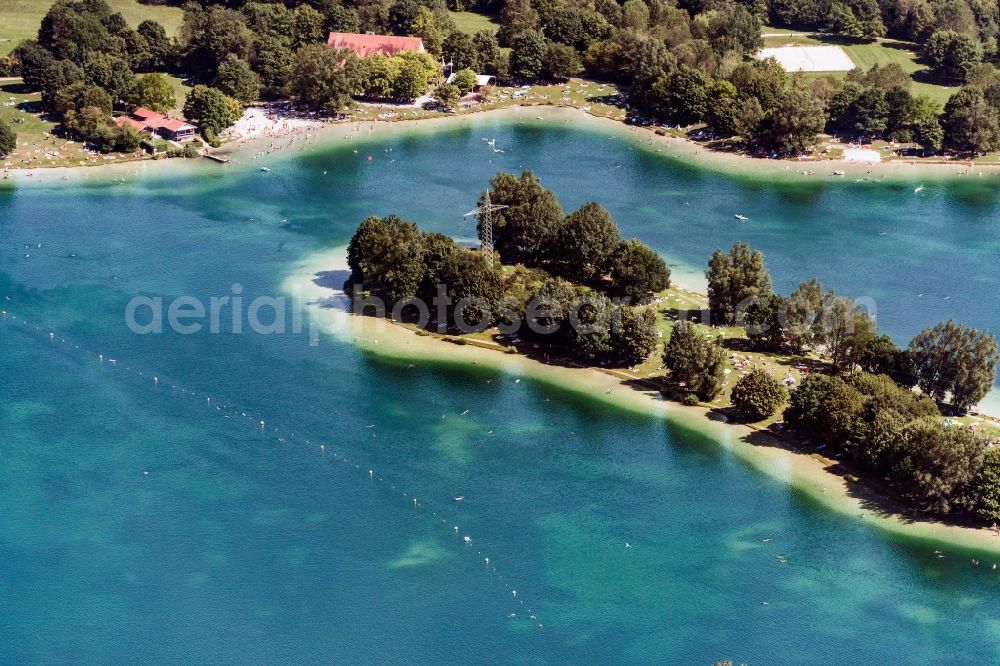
(758, 395)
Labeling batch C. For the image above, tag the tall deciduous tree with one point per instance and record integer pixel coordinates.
(523, 231)
(951, 359)
(734, 279)
(584, 244)
(8, 139)
(153, 91)
(385, 256)
(637, 271)
(527, 60)
(952, 54)
(211, 110)
(937, 467)
(970, 122)
(322, 78)
(757, 395)
(695, 363)
(236, 79)
(635, 336)
(792, 124)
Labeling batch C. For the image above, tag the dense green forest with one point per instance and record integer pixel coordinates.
(683, 63)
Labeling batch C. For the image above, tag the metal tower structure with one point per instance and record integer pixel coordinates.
(484, 215)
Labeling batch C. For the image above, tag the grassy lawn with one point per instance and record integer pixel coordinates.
(772, 30)
(580, 93)
(180, 92)
(882, 52)
(471, 22)
(19, 19)
(905, 55)
(36, 146)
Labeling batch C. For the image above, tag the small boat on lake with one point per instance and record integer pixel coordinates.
(741, 218)
(265, 169)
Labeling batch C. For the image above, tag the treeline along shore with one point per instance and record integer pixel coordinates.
(685, 64)
(811, 366)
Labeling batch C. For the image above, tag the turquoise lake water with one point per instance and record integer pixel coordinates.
(144, 523)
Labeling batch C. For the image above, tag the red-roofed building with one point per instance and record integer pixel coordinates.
(151, 122)
(366, 45)
(142, 113)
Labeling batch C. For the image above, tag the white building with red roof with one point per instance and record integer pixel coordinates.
(151, 122)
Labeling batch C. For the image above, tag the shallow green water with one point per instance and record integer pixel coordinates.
(244, 544)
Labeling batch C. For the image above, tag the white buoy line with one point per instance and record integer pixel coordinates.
(257, 421)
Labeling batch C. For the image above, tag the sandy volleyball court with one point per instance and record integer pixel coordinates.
(809, 58)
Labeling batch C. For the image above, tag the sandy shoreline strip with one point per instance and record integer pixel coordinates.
(805, 472)
(256, 135)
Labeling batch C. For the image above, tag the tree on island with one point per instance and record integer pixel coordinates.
(881, 356)
(886, 410)
(696, 364)
(475, 286)
(385, 256)
(550, 303)
(637, 271)
(952, 360)
(763, 322)
(636, 336)
(589, 332)
(757, 395)
(733, 279)
(584, 243)
(523, 231)
(844, 330)
(802, 311)
(825, 408)
(986, 486)
(937, 467)
(437, 249)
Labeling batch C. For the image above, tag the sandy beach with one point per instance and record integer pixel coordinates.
(259, 134)
(858, 165)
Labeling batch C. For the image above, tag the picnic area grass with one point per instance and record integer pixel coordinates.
(19, 19)
(473, 22)
(36, 145)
